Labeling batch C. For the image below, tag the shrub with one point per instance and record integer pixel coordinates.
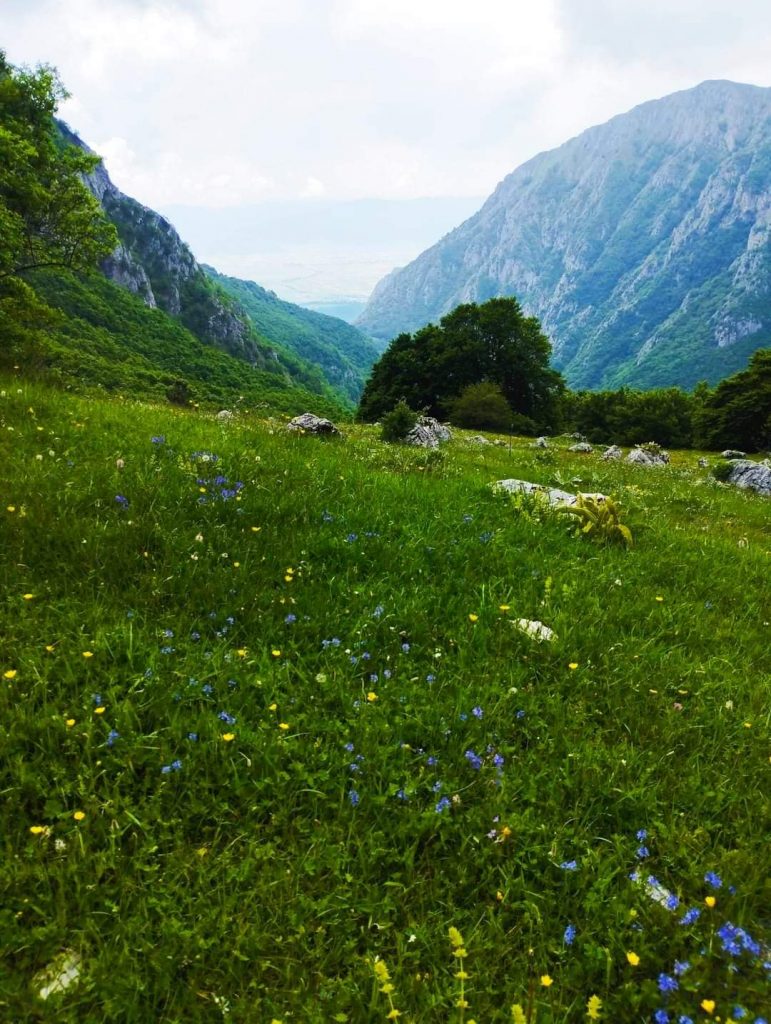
(397, 423)
(482, 406)
(722, 470)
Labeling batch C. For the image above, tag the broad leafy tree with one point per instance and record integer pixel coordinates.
(492, 342)
(48, 218)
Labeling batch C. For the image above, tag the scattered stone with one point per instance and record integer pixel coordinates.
(552, 494)
(478, 440)
(535, 629)
(59, 975)
(577, 437)
(731, 453)
(500, 443)
(753, 476)
(540, 442)
(427, 433)
(310, 424)
(583, 447)
(703, 463)
(648, 455)
(224, 416)
(612, 453)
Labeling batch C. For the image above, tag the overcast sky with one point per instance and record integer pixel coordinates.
(224, 102)
(217, 103)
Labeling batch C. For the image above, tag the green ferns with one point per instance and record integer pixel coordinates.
(598, 518)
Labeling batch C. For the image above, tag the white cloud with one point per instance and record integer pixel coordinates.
(224, 102)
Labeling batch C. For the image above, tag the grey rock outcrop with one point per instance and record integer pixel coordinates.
(428, 433)
(732, 453)
(478, 440)
(582, 448)
(224, 416)
(307, 423)
(553, 495)
(753, 476)
(646, 457)
(540, 442)
(613, 453)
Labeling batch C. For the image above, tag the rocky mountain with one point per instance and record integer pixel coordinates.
(643, 245)
(154, 263)
(341, 352)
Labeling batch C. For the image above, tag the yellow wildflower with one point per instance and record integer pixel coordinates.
(28, 597)
(276, 652)
(708, 1005)
(79, 815)
(710, 901)
(546, 980)
(50, 648)
(659, 598)
(633, 958)
(518, 1014)
(473, 618)
(88, 654)
(283, 726)
(455, 937)
(228, 736)
(256, 529)
(573, 665)
(372, 696)
(381, 971)
(10, 674)
(37, 830)
(504, 607)
(70, 722)
(99, 711)
(241, 652)
(272, 707)
(593, 1008)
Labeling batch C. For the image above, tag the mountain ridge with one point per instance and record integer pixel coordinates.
(625, 241)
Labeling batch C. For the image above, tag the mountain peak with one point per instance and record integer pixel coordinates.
(642, 244)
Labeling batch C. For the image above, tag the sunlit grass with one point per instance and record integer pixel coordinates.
(268, 717)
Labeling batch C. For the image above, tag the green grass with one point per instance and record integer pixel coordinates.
(251, 878)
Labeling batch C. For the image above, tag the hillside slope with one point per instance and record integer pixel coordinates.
(643, 245)
(341, 352)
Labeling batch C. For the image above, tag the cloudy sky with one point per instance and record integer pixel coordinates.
(227, 103)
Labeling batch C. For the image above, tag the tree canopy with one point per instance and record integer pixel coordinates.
(492, 342)
(737, 414)
(48, 218)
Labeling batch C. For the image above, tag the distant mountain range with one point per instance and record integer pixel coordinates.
(643, 245)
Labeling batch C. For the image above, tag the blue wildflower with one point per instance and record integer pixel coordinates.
(121, 500)
(349, 747)
(570, 934)
(351, 538)
(682, 1019)
(473, 759)
(401, 794)
(159, 439)
(353, 796)
(165, 769)
(207, 688)
(226, 718)
(431, 761)
(193, 737)
(97, 699)
(430, 677)
(739, 1012)
(176, 766)
(661, 1017)
(437, 786)
(642, 852)
(387, 674)
(642, 834)
(498, 760)
(690, 916)
(569, 865)
(112, 736)
(667, 983)
(443, 804)
(290, 619)
(477, 712)
(406, 648)
(378, 612)
(520, 714)
(327, 517)
(712, 879)
(672, 902)
(680, 967)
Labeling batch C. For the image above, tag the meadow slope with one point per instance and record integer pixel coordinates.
(267, 716)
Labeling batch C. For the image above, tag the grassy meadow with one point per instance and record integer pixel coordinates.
(270, 730)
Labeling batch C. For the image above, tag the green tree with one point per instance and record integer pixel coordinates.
(481, 406)
(737, 414)
(48, 218)
(492, 342)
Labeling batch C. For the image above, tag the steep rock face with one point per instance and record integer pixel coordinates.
(153, 262)
(643, 245)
